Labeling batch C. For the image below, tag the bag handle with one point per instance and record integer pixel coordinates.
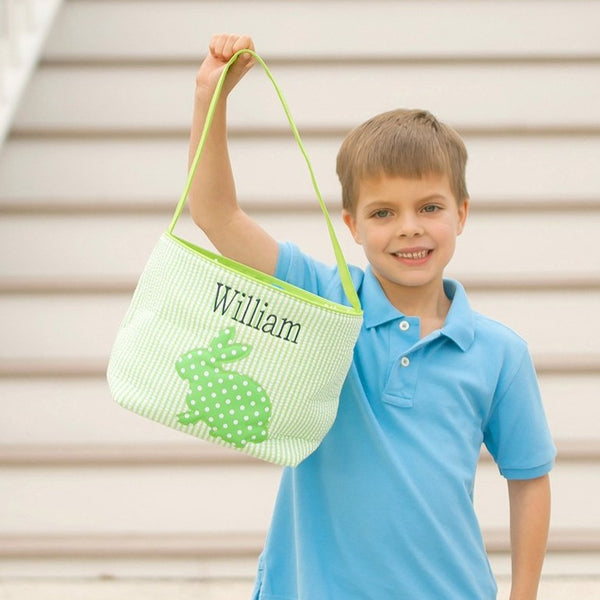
(339, 256)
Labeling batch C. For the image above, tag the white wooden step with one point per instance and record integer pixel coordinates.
(410, 29)
(321, 96)
(182, 499)
(76, 171)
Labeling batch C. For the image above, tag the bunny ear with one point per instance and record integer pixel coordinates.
(217, 343)
(189, 360)
(221, 349)
(224, 338)
(224, 349)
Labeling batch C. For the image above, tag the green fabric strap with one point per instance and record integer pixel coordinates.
(339, 256)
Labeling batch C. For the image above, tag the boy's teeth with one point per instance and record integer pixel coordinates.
(413, 255)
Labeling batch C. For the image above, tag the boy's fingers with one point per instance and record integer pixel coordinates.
(244, 42)
(219, 45)
(228, 49)
(224, 46)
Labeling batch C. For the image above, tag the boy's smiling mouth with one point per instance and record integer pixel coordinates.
(412, 254)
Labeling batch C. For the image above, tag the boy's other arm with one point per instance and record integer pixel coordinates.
(529, 523)
(212, 198)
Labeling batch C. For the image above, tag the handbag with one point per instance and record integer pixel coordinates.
(218, 350)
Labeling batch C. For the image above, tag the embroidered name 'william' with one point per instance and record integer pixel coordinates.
(253, 312)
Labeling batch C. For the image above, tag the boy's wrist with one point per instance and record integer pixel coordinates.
(203, 95)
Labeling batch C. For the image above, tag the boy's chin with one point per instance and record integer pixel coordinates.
(408, 281)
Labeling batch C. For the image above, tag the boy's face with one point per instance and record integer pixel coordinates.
(408, 229)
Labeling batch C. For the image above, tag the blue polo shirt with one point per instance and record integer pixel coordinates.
(383, 509)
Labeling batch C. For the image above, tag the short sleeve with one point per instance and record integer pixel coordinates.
(298, 269)
(303, 271)
(517, 433)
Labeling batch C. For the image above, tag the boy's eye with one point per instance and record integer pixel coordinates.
(381, 213)
(431, 208)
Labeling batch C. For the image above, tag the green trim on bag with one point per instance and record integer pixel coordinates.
(283, 286)
(339, 256)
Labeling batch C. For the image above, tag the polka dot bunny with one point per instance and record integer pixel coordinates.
(235, 407)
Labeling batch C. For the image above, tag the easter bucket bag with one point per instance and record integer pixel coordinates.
(228, 354)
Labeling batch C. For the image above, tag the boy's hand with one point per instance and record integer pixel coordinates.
(221, 48)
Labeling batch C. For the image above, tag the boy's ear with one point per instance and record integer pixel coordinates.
(350, 221)
(463, 213)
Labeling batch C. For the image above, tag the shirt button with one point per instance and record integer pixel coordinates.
(404, 361)
(404, 325)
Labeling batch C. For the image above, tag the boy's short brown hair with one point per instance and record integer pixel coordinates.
(405, 143)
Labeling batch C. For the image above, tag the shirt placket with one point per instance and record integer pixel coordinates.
(407, 350)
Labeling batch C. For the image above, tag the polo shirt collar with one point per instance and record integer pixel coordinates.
(459, 324)
(377, 309)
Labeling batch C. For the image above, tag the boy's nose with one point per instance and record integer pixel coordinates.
(409, 226)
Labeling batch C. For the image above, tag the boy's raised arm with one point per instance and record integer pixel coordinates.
(212, 198)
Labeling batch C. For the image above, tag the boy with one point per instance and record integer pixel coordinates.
(383, 509)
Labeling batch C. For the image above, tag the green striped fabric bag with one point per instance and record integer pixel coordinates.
(220, 351)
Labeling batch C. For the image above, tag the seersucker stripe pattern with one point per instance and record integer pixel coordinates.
(295, 350)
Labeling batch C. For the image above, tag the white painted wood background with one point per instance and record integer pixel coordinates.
(89, 177)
